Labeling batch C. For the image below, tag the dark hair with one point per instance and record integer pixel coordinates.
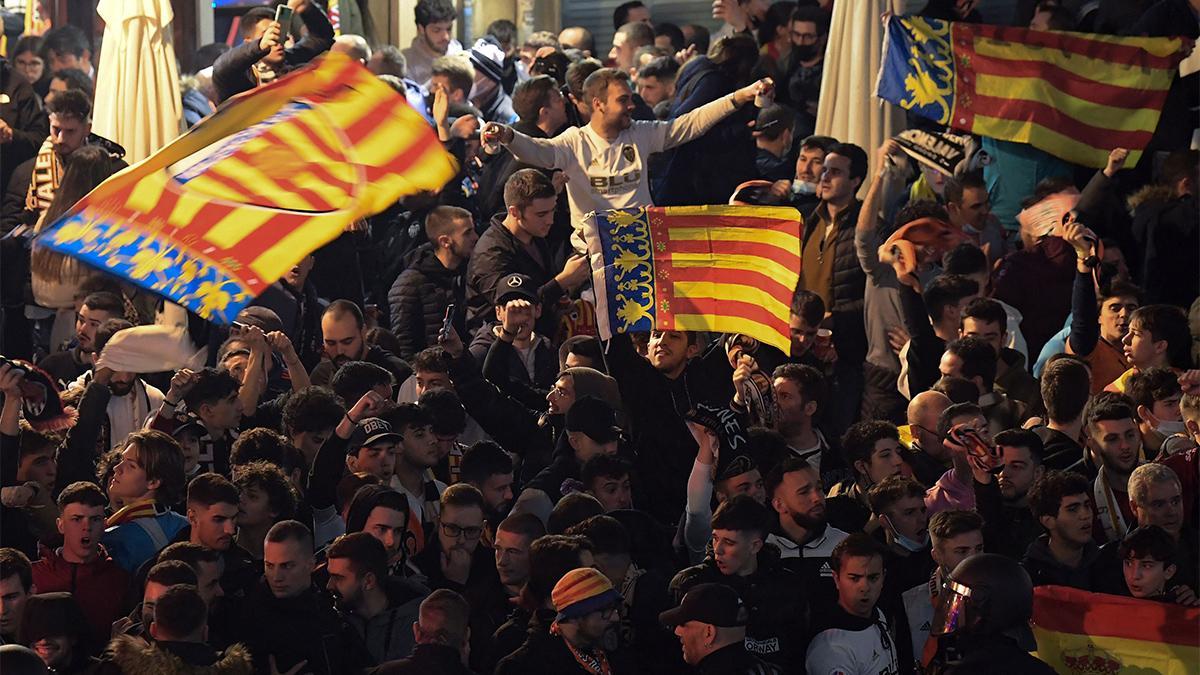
(577, 75)
(978, 359)
(946, 419)
(392, 62)
(291, 530)
(526, 185)
(434, 11)
(463, 496)
(957, 389)
(949, 524)
(1117, 288)
(700, 37)
(268, 477)
(1045, 188)
(859, 441)
(66, 39)
(621, 14)
(636, 33)
(957, 185)
(170, 573)
(553, 65)
(210, 488)
(1167, 322)
(946, 290)
(367, 555)
(587, 346)
(1152, 384)
(105, 301)
(340, 308)
(251, 19)
(107, 330)
(483, 460)
(857, 157)
(891, 490)
(964, 259)
(188, 553)
(446, 413)
(378, 336)
(406, 415)
(986, 310)
(180, 612)
(857, 545)
(1149, 541)
(808, 306)
(742, 513)
(12, 561)
(312, 409)
(82, 492)
(1109, 406)
(809, 380)
(1180, 164)
(27, 43)
(662, 68)
(604, 466)
(431, 360)
(811, 14)
(673, 32)
(532, 95)
(71, 103)
(211, 386)
(76, 80)
(207, 55)
(260, 444)
(356, 378)
(1066, 385)
(1046, 495)
(823, 143)
(162, 458)
(1022, 438)
(573, 508)
(457, 70)
(503, 30)
(919, 209)
(606, 533)
(525, 524)
(790, 464)
(735, 55)
(550, 558)
(370, 497)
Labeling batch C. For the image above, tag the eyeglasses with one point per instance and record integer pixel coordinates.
(558, 392)
(456, 531)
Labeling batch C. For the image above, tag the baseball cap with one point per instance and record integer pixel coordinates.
(369, 432)
(595, 418)
(514, 287)
(714, 604)
(773, 120)
(189, 425)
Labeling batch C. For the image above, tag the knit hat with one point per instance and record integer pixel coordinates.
(581, 592)
(488, 58)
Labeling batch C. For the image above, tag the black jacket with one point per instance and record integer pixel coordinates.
(418, 301)
(231, 72)
(848, 287)
(735, 660)
(22, 112)
(1007, 530)
(988, 655)
(500, 168)
(776, 602)
(1045, 570)
(546, 654)
(498, 253)
(400, 370)
(426, 659)
(303, 628)
(503, 366)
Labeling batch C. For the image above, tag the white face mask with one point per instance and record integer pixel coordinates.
(1170, 428)
(800, 187)
(903, 541)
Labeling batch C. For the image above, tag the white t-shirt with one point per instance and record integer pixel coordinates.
(853, 652)
(603, 175)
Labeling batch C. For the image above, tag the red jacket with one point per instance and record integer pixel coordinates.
(99, 587)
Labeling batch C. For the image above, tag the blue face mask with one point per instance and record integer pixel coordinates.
(903, 541)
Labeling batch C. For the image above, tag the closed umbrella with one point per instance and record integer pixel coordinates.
(137, 84)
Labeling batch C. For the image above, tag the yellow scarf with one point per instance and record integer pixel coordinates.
(47, 172)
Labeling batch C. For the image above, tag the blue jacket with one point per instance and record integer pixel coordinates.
(133, 543)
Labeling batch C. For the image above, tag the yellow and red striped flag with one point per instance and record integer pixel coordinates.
(727, 269)
(1082, 633)
(1074, 95)
(215, 217)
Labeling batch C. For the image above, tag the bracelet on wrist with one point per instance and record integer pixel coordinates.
(350, 419)
(170, 404)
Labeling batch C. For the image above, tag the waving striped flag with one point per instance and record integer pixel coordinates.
(226, 209)
(727, 269)
(1074, 95)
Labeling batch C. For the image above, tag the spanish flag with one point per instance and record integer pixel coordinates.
(215, 217)
(726, 269)
(1074, 95)
(1083, 633)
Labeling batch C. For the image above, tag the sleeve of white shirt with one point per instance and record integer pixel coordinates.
(829, 656)
(544, 152)
(691, 125)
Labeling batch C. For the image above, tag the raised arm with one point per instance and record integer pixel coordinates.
(689, 126)
(539, 152)
(891, 157)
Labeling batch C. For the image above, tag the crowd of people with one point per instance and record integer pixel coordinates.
(413, 454)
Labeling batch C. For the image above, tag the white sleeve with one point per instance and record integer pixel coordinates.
(543, 152)
(693, 124)
(828, 655)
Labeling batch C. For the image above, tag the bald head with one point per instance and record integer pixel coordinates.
(353, 46)
(926, 407)
(577, 37)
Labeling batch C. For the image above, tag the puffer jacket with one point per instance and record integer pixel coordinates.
(848, 288)
(98, 586)
(418, 301)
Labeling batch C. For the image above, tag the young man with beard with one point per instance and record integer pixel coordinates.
(808, 28)
(800, 396)
(82, 566)
(605, 160)
(1115, 443)
(265, 53)
(148, 478)
(873, 450)
(855, 638)
(380, 608)
(774, 594)
(1066, 554)
(1003, 499)
(803, 536)
(434, 38)
(212, 396)
(309, 418)
(67, 365)
(212, 510)
(489, 469)
(343, 332)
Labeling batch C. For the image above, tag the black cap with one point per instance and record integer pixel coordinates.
(595, 418)
(189, 425)
(773, 120)
(714, 604)
(369, 432)
(516, 286)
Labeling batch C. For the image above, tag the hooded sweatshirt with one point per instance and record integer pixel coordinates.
(1045, 570)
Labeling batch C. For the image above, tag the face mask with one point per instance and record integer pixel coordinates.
(906, 543)
(805, 52)
(1170, 428)
(800, 187)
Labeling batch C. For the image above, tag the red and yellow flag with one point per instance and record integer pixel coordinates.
(726, 269)
(1081, 633)
(226, 209)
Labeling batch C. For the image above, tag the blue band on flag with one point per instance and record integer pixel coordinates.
(627, 249)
